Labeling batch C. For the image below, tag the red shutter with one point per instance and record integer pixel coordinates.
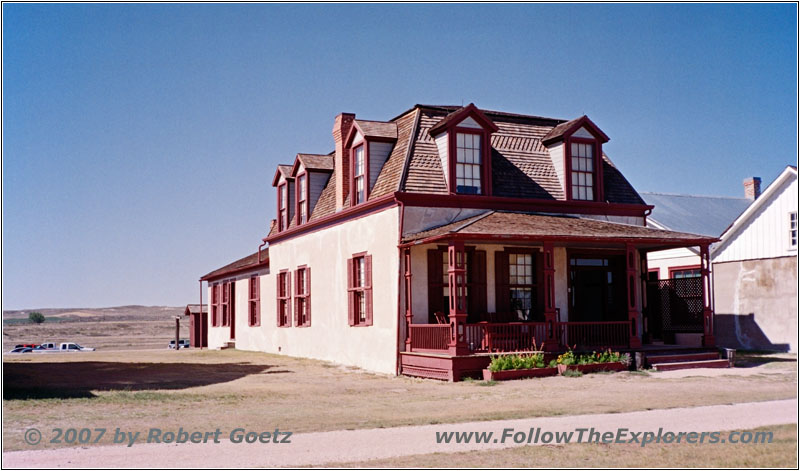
(435, 298)
(258, 300)
(297, 295)
(368, 287)
(278, 297)
(289, 297)
(351, 316)
(308, 289)
(502, 304)
(477, 295)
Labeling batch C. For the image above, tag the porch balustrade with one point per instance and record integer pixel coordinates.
(487, 337)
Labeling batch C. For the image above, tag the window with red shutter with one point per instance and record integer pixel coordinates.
(226, 313)
(284, 292)
(359, 281)
(254, 318)
(302, 299)
(215, 305)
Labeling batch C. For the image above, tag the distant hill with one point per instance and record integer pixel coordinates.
(118, 313)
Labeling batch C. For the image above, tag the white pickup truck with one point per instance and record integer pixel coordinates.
(73, 347)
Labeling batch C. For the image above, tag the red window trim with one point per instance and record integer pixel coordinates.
(281, 226)
(365, 145)
(657, 271)
(284, 303)
(305, 296)
(486, 158)
(366, 290)
(597, 177)
(215, 306)
(672, 270)
(254, 301)
(305, 174)
(226, 304)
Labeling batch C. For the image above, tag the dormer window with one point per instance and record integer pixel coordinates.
(359, 175)
(469, 172)
(576, 149)
(463, 141)
(583, 171)
(283, 206)
(302, 199)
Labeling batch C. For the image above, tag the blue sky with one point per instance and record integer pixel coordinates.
(139, 141)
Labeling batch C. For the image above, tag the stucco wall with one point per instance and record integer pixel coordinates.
(329, 337)
(756, 304)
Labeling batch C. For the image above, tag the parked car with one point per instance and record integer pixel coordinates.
(26, 345)
(74, 347)
(49, 346)
(183, 343)
(21, 350)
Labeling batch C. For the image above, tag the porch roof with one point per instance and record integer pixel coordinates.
(511, 226)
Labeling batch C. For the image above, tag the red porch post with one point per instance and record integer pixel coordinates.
(457, 278)
(407, 260)
(551, 342)
(630, 258)
(706, 293)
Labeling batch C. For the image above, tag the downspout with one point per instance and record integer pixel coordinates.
(263, 243)
(400, 285)
(201, 315)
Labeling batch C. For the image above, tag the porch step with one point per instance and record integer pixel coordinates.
(228, 345)
(682, 357)
(683, 365)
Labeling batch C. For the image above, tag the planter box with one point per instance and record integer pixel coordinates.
(518, 374)
(595, 367)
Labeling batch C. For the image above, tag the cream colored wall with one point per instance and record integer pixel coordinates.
(665, 259)
(330, 337)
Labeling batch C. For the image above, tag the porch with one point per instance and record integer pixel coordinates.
(543, 287)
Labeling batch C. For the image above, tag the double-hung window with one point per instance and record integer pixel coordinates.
(359, 175)
(583, 171)
(468, 163)
(283, 207)
(793, 230)
(284, 291)
(254, 302)
(302, 298)
(359, 287)
(302, 207)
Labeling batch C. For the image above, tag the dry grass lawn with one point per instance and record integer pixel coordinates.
(781, 453)
(136, 390)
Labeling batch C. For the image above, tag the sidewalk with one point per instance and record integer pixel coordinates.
(358, 445)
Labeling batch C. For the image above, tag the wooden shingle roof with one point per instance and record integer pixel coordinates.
(249, 262)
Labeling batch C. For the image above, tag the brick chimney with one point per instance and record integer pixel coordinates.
(341, 162)
(752, 187)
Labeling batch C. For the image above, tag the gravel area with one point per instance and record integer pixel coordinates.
(358, 445)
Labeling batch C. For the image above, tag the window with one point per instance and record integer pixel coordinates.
(359, 287)
(302, 299)
(684, 272)
(302, 207)
(254, 303)
(582, 170)
(226, 304)
(521, 284)
(283, 206)
(468, 163)
(793, 230)
(215, 308)
(359, 175)
(284, 299)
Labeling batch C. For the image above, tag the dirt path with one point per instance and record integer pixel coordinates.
(358, 445)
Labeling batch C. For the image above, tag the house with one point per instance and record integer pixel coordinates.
(754, 264)
(423, 243)
(198, 320)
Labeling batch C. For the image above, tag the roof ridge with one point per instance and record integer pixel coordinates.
(692, 196)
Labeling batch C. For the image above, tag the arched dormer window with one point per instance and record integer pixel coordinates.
(464, 141)
(577, 150)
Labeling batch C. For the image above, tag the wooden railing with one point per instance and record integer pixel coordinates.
(429, 337)
(485, 337)
(597, 335)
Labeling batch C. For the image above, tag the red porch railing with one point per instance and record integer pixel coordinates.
(481, 337)
(429, 337)
(597, 335)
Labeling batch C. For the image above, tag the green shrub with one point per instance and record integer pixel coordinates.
(36, 317)
(516, 362)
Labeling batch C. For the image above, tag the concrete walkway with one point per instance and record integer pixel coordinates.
(357, 445)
